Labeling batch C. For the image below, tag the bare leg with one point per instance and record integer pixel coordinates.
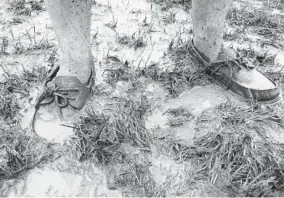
(208, 24)
(71, 22)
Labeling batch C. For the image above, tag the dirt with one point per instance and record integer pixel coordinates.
(157, 28)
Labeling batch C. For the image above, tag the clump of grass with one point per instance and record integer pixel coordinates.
(37, 5)
(113, 23)
(19, 7)
(187, 71)
(16, 21)
(19, 152)
(136, 40)
(33, 42)
(23, 7)
(98, 135)
(15, 86)
(265, 24)
(119, 71)
(247, 17)
(167, 4)
(134, 177)
(276, 4)
(123, 39)
(170, 18)
(175, 79)
(9, 106)
(37, 74)
(4, 45)
(110, 138)
(238, 145)
(178, 116)
(25, 41)
(89, 142)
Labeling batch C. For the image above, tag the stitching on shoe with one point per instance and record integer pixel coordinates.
(241, 61)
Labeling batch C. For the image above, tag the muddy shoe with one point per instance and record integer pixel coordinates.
(63, 92)
(240, 75)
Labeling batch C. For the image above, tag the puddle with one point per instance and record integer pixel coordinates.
(195, 100)
(185, 133)
(130, 17)
(276, 135)
(157, 120)
(47, 123)
(279, 59)
(61, 179)
(201, 98)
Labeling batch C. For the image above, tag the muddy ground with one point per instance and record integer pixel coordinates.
(156, 124)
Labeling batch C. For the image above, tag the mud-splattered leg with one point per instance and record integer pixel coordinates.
(208, 23)
(71, 22)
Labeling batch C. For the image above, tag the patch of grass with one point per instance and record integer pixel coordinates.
(19, 7)
(113, 23)
(20, 152)
(167, 4)
(4, 45)
(15, 86)
(178, 116)
(265, 24)
(37, 5)
(236, 143)
(133, 176)
(186, 71)
(98, 135)
(118, 71)
(170, 18)
(136, 40)
(24, 42)
(16, 21)
(274, 4)
(112, 139)
(33, 43)
(23, 7)
(9, 106)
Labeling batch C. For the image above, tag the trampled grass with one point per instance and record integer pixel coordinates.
(239, 147)
(233, 142)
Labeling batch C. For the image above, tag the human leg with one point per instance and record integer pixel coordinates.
(71, 22)
(208, 19)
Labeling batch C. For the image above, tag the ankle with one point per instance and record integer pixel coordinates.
(208, 48)
(81, 68)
